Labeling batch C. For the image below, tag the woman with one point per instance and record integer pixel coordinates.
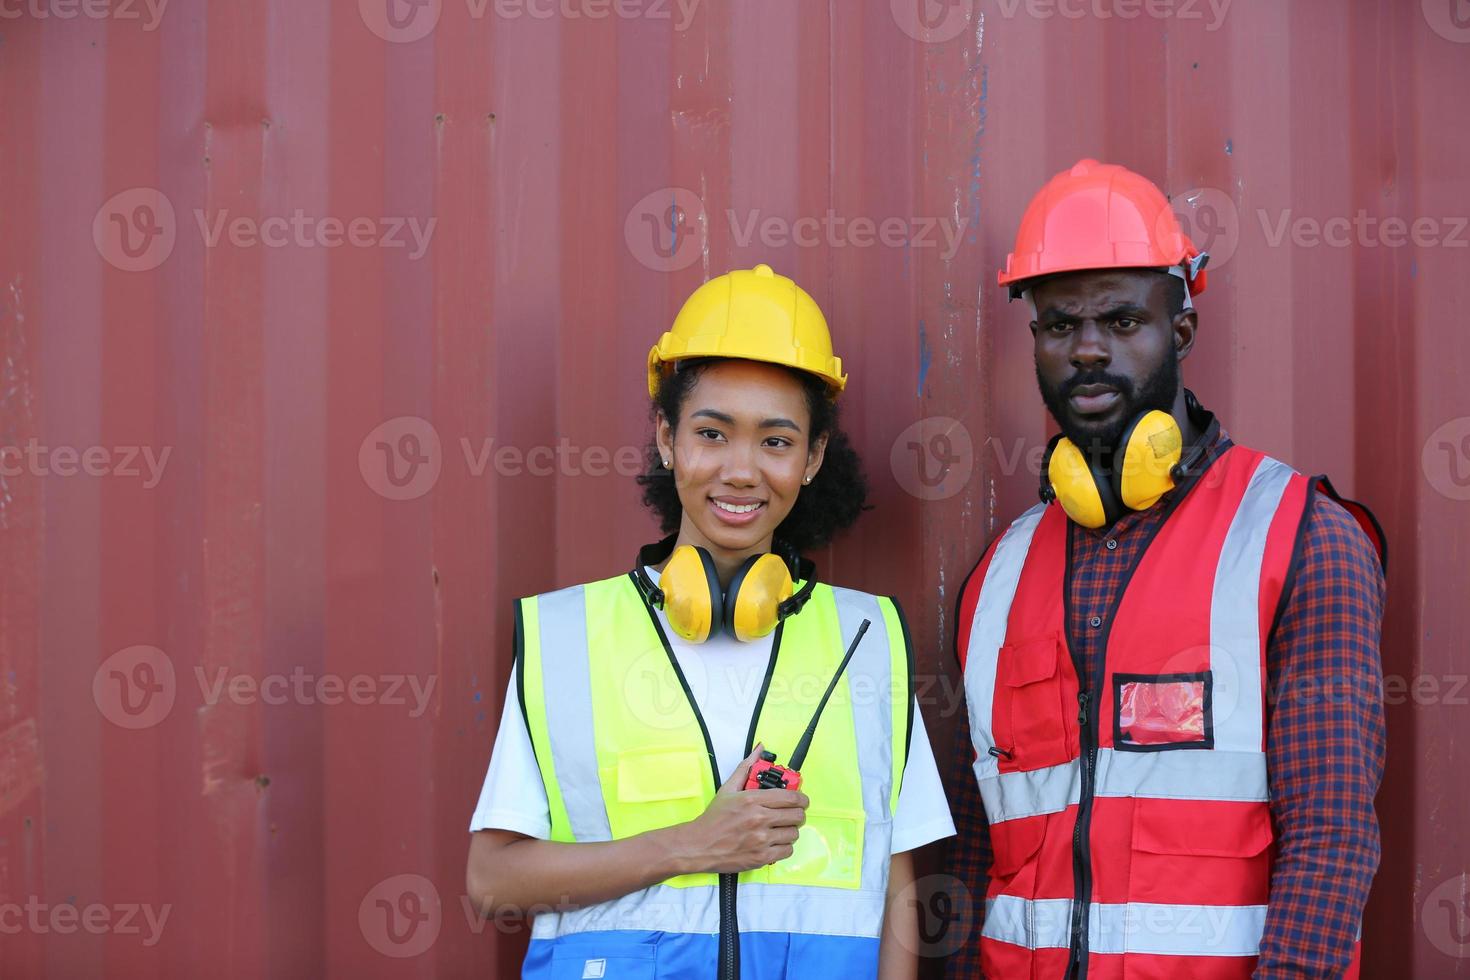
(615, 805)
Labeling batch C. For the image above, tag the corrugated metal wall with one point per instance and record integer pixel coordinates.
(379, 280)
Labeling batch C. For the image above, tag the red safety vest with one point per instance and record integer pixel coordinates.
(1129, 816)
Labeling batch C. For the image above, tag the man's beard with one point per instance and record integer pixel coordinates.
(1100, 439)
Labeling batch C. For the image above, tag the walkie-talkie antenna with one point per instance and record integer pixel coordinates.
(798, 755)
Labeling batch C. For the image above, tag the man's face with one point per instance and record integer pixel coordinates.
(1106, 351)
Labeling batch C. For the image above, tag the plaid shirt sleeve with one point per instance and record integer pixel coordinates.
(969, 854)
(1324, 749)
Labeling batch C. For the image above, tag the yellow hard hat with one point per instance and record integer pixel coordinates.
(755, 315)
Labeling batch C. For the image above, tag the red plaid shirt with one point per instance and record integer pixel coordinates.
(1324, 740)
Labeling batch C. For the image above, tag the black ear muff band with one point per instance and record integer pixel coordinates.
(806, 573)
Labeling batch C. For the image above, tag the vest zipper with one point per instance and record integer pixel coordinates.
(1087, 719)
(728, 967)
(1081, 829)
(729, 928)
(1081, 840)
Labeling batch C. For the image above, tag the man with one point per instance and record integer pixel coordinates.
(1171, 664)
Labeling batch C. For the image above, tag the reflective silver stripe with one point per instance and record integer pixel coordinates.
(762, 908)
(1012, 795)
(568, 686)
(1238, 777)
(1134, 927)
(1034, 924)
(870, 684)
(1235, 611)
(988, 632)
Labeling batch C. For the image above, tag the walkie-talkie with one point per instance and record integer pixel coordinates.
(765, 774)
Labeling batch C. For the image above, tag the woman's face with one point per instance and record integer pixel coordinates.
(740, 455)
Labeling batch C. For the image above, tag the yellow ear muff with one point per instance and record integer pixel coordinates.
(692, 597)
(1150, 453)
(1072, 482)
(752, 603)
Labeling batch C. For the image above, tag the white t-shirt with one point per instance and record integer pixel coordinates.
(725, 678)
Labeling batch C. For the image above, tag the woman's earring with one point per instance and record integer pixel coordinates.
(666, 464)
(807, 480)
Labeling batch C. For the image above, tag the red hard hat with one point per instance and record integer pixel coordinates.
(1100, 216)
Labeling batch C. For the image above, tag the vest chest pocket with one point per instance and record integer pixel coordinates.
(654, 788)
(828, 852)
(576, 960)
(1031, 720)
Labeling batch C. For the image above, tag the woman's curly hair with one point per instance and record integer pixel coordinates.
(826, 506)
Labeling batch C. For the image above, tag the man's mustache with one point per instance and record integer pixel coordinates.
(1122, 384)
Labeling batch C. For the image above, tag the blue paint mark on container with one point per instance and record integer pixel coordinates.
(925, 356)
